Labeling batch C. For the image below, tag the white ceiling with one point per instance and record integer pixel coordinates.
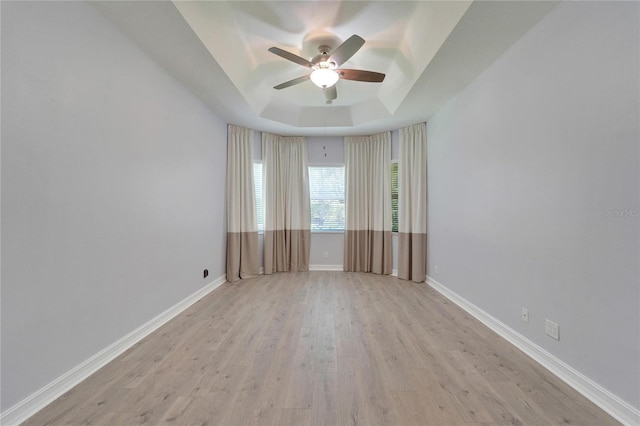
(429, 51)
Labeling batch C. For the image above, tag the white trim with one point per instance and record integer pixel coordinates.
(44, 396)
(394, 272)
(612, 404)
(326, 268)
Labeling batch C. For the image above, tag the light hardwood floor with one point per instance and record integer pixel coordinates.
(323, 348)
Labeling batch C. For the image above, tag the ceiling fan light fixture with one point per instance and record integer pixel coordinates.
(324, 77)
(325, 71)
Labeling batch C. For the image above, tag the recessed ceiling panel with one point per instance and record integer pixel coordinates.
(218, 50)
(401, 39)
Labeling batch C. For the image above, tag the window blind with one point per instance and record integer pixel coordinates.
(326, 190)
(257, 182)
(394, 197)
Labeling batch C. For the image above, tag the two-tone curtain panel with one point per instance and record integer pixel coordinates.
(367, 239)
(412, 203)
(287, 215)
(242, 228)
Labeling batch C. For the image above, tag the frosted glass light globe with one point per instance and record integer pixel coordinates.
(324, 77)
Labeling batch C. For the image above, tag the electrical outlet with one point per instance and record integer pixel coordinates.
(205, 273)
(435, 267)
(325, 254)
(525, 315)
(552, 329)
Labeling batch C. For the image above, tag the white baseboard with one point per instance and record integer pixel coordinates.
(326, 268)
(612, 404)
(43, 397)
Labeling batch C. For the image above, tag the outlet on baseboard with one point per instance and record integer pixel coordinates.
(525, 315)
(552, 329)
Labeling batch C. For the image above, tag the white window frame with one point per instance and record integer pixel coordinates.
(327, 231)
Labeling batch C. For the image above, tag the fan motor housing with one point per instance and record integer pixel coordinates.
(316, 42)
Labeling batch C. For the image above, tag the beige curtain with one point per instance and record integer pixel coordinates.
(367, 239)
(242, 228)
(412, 203)
(287, 215)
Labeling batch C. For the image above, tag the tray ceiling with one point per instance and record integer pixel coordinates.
(429, 51)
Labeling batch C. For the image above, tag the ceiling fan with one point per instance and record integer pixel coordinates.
(325, 67)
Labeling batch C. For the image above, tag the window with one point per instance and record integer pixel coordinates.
(326, 190)
(394, 197)
(257, 183)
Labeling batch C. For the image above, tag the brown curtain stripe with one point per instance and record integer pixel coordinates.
(242, 228)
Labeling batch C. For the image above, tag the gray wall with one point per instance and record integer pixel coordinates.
(534, 190)
(112, 191)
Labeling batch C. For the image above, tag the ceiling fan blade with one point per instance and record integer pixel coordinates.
(360, 75)
(346, 50)
(291, 57)
(330, 93)
(292, 82)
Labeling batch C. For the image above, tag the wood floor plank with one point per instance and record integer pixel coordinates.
(526, 409)
(177, 410)
(348, 406)
(322, 348)
(295, 417)
(324, 409)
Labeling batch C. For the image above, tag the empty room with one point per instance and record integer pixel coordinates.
(320, 212)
